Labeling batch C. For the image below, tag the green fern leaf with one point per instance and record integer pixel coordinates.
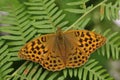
(111, 48)
(5, 63)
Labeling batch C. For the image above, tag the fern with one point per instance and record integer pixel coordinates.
(111, 49)
(35, 17)
(30, 71)
(110, 11)
(46, 15)
(5, 63)
(106, 10)
(88, 71)
(82, 7)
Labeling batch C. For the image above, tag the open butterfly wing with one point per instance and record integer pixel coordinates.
(84, 43)
(39, 50)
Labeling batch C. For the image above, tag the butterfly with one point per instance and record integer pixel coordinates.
(62, 50)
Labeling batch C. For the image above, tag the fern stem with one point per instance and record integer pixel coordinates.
(85, 15)
(18, 69)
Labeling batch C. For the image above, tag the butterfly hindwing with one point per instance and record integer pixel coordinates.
(76, 59)
(53, 62)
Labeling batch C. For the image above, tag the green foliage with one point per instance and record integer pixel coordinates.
(5, 63)
(81, 9)
(112, 48)
(90, 71)
(29, 19)
(108, 10)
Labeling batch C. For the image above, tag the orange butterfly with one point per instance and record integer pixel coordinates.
(68, 49)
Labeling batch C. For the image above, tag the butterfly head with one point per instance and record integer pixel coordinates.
(59, 33)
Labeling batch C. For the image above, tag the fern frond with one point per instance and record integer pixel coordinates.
(110, 11)
(17, 32)
(30, 71)
(5, 63)
(112, 46)
(82, 7)
(85, 14)
(107, 10)
(90, 71)
(46, 15)
(79, 24)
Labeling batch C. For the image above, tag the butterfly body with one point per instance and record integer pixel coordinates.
(62, 50)
(60, 46)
